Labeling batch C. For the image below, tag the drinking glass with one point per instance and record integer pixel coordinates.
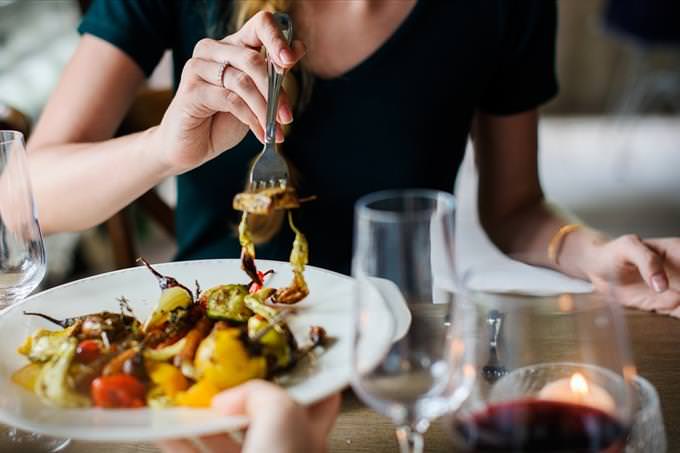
(555, 375)
(22, 257)
(647, 433)
(408, 363)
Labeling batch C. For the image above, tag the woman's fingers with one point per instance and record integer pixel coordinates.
(649, 263)
(221, 100)
(662, 303)
(232, 80)
(262, 30)
(242, 58)
(245, 399)
(245, 60)
(669, 248)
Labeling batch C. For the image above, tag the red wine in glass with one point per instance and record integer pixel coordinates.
(533, 425)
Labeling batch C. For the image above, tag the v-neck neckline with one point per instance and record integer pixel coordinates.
(406, 24)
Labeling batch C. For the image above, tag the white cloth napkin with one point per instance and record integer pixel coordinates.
(482, 265)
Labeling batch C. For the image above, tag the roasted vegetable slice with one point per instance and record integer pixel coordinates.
(198, 395)
(43, 344)
(299, 257)
(248, 251)
(264, 201)
(27, 376)
(226, 303)
(223, 360)
(168, 379)
(165, 353)
(175, 298)
(118, 391)
(53, 386)
(276, 344)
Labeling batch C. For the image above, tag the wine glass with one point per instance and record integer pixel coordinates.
(647, 433)
(22, 257)
(555, 375)
(408, 363)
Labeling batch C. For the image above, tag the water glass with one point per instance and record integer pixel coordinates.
(408, 363)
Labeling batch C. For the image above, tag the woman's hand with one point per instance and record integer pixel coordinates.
(277, 423)
(638, 273)
(214, 108)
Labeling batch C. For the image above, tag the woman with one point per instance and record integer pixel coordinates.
(397, 87)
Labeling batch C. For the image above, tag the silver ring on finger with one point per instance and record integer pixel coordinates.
(220, 74)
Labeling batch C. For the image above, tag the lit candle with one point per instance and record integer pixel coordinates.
(577, 390)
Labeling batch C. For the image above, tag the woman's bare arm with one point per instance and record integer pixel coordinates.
(81, 178)
(512, 208)
(636, 272)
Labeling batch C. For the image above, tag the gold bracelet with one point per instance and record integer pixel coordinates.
(555, 244)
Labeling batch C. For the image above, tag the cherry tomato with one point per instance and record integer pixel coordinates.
(88, 351)
(118, 391)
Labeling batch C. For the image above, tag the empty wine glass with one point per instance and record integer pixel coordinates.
(407, 362)
(567, 381)
(22, 257)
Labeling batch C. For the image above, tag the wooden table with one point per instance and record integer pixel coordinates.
(656, 340)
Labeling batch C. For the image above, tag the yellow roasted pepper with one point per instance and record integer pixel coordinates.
(27, 376)
(168, 378)
(199, 395)
(222, 360)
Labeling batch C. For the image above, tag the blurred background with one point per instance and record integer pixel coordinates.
(609, 143)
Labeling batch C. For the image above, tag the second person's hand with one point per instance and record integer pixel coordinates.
(277, 423)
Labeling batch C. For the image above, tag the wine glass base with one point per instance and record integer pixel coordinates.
(13, 440)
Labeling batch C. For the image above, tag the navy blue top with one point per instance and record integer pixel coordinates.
(399, 119)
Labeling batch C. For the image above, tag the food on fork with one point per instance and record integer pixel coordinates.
(273, 199)
(265, 201)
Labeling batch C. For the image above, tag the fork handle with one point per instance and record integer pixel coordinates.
(275, 78)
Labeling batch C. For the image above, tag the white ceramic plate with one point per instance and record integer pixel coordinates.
(330, 306)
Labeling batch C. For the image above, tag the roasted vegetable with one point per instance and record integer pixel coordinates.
(223, 360)
(88, 351)
(264, 201)
(43, 344)
(226, 303)
(299, 256)
(165, 353)
(185, 358)
(118, 391)
(199, 395)
(52, 384)
(27, 376)
(276, 345)
(175, 298)
(168, 379)
(248, 251)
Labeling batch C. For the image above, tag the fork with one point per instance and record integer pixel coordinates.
(494, 369)
(269, 168)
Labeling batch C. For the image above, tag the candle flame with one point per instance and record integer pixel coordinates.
(578, 384)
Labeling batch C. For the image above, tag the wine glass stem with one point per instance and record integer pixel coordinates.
(410, 440)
